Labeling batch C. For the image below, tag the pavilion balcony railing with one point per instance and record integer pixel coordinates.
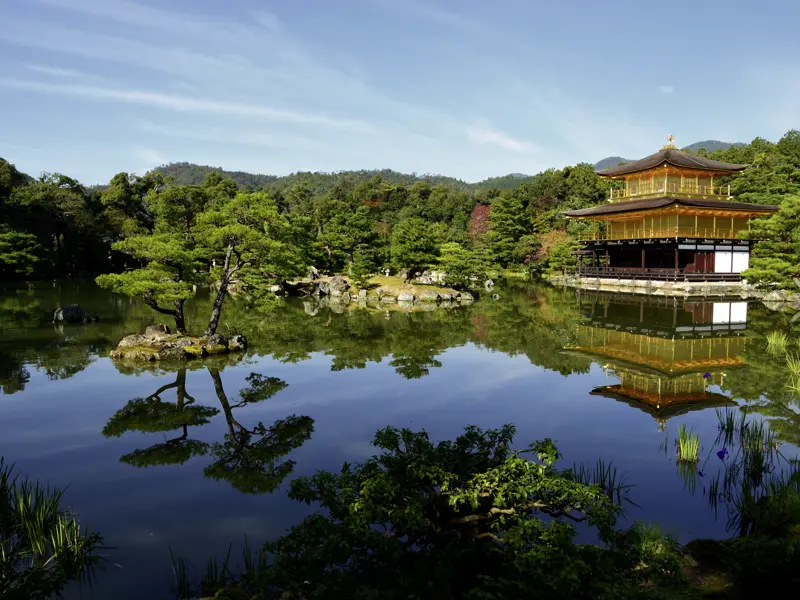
(653, 274)
(639, 233)
(661, 188)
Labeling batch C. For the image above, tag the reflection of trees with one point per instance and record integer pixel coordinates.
(250, 458)
(13, 374)
(152, 414)
(765, 380)
(533, 321)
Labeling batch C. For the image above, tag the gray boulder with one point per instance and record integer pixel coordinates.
(323, 288)
(424, 280)
(362, 294)
(71, 313)
(405, 297)
(345, 297)
(446, 296)
(465, 297)
(216, 339)
(237, 342)
(429, 296)
(157, 330)
(338, 285)
(387, 299)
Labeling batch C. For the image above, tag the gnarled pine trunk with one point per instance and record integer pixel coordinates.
(216, 310)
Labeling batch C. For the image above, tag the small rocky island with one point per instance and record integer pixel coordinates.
(158, 343)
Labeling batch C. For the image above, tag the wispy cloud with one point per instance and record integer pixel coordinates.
(54, 71)
(666, 89)
(487, 135)
(266, 19)
(434, 14)
(188, 104)
(220, 135)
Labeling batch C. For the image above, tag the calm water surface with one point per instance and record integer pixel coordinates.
(193, 459)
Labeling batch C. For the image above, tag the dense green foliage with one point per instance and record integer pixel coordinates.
(775, 260)
(42, 546)
(468, 518)
(54, 226)
(472, 518)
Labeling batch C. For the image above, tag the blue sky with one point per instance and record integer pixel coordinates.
(468, 88)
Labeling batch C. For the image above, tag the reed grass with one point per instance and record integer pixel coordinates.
(793, 366)
(688, 445)
(777, 343)
(606, 477)
(42, 546)
(759, 486)
(219, 574)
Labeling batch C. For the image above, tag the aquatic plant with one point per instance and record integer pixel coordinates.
(758, 484)
(777, 343)
(793, 366)
(42, 546)
(688, 445)
(605, 476)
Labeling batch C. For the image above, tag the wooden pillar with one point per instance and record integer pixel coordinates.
(608, 259)
(642, 258)
(676, 260)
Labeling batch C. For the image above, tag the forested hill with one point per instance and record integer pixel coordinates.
(184, 173)
(191, 174)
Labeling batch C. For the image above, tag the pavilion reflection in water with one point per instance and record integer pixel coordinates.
(666, 353)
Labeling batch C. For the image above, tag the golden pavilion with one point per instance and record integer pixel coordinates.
(666, 354)
(670, 220)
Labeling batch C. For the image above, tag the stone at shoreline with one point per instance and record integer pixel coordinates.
(429, 296)
(323, 289)
(362, 294)
(71, 313)
(446, 296)
(345, 297)
(465, 297)
(405, 297)
(387, 299)
(157, 344)
(337, 285)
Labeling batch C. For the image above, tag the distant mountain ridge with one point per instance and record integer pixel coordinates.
(184, 173)
(707, 145)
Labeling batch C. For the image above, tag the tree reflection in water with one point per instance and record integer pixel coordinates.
(251, 459)
(154, 415)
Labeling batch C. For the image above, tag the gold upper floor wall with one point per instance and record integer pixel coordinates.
(670, 181)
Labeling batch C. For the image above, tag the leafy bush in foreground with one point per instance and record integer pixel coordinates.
(468, 518)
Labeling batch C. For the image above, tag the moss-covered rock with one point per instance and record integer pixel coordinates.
(155, 345)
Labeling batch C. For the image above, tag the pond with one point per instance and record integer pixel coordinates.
(192, 460)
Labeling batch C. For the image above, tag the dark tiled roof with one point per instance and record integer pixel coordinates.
(674, 157)
(633, 205)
